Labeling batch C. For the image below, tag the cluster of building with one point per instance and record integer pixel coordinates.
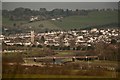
(72, 38)
(37, 18)
(53, 19)
(34, 18)
(80, 37)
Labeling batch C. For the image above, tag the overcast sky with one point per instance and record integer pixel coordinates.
(59, 0)
(62, 5)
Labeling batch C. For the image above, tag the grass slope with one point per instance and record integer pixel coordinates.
(71, 22)
(46, 25)
(26, 25)
(94, 18)
(8, 22)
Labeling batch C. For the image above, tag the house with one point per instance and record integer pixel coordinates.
(9, 43)
(66, 43)
(58, 18)
(1, 37)
(94, 30)
(31, 19)
(53, 19)
(27, 43)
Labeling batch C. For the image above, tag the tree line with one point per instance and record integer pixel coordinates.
(25, 13)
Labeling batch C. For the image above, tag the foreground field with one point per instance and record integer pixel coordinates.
(14, 66)
(48, 76)
(45, 72)
(78, 69)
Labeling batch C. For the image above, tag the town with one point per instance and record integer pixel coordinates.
(62, 40)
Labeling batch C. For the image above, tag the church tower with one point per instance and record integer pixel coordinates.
(32, 37)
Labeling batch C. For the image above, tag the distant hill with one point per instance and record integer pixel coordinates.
(93, 19)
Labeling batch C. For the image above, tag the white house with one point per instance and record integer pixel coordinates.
(53, 19)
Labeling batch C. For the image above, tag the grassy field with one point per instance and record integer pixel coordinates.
(8, 22)
(26, 25)
(94, 18)
(46, 25)
(71, 22)
(48, 76)
(65, 54)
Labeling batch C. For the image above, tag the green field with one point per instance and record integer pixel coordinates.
(94, 18)
(65, 54)
(9, 23)
(71, 22)
(46, 25)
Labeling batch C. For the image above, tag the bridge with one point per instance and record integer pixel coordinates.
(63, 57)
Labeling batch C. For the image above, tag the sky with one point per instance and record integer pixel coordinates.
(59, 0)
(61, 5)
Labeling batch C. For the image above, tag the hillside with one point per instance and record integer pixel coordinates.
(26, 25)
(93, 19)
(71, 22)
(41, 25)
